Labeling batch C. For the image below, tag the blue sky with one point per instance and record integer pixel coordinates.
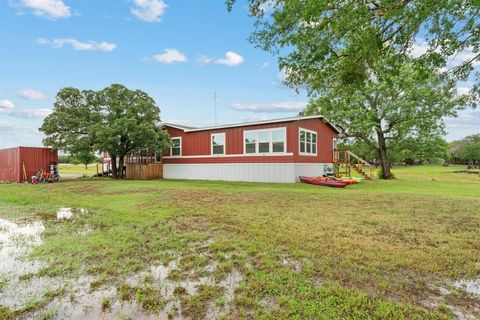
(180, 52)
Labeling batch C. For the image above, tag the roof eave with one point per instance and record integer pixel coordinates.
(255, 123)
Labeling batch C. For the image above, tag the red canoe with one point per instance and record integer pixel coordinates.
(347, 180)
(323, 181)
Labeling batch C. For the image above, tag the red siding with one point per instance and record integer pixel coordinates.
(9, 164)
(197, 143)
(33, 158)
(325, 137)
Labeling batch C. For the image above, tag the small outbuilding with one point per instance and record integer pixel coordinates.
(20, 163)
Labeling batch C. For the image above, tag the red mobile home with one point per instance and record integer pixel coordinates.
(20, 163)
(265, 151)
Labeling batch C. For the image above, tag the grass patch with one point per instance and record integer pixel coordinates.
(3, 281)
(6, 313)
(150, 299)
(68, 168)
(48, 314)
(106, 303)
(196, 306)
(374, 250)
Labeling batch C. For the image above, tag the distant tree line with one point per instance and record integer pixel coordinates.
(84, 159)
(410, 150)
(466, 150)
(427, 150)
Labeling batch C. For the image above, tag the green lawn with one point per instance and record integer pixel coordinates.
(376, 250)
(68, 168)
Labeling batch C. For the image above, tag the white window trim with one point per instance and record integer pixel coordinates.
(311, 154)
(235, 155)
(334, 147)
(270, 142)
(224, 143)
(181, 147)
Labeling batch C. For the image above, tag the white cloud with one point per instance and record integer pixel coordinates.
(285, 106)
(14, 134)
(9, 108)
(462, 57)
(282, 75)
(7, 126)
(31, 94)
(6, 106)
(420, 47)
(252, 118)
(31, 113)
(50, 9)
(231, 59)
(78, 45)
(203, 59)
(466, 123)
(463, 90)
(268, 6)
(148, 10)
(170, 56)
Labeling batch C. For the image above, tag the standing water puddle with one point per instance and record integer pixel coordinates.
(15, 242)
(69, 213)
(469, 286)
(22, 286)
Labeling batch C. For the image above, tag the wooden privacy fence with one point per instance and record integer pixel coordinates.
(144, 171)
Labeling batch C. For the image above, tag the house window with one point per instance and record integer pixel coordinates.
(250, 142)
(308, 142)
(176, 149)
(158, 157)
(265, 141)
(218, 143)
(278, 140)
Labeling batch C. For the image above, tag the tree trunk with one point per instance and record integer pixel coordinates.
(114, 167)
(120, 166)
(86, 166)
(382, 155)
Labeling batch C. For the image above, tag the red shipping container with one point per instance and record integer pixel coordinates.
(14, 160)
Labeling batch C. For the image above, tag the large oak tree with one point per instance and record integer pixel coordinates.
(357, 61)
(116, 119)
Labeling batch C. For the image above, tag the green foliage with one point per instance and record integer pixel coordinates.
(115, 119)
(429, 149)
(466, 149)
(364, 28)
(69, 126)
(354, 59)
(84, 158)
(131, 122)
(64, 159)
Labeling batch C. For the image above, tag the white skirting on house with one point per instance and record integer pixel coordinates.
(255, 172)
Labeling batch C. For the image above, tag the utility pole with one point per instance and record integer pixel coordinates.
(215, 105)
